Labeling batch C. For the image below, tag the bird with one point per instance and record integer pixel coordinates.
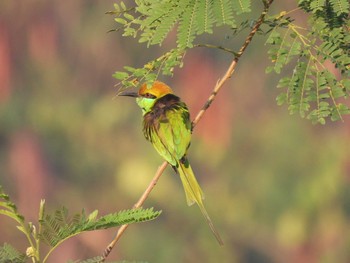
(167, 125)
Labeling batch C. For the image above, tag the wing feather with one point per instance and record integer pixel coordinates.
(172, 136)
(168, 128)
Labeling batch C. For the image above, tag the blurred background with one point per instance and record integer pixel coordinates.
(277, 187)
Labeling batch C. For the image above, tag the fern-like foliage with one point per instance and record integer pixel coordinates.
(241, 6)
(60, 226)
(314, 90)
(223, 12)
(8, 208)
(152, 20)
(55, 228)
(165, 65)
(326, 8)
(9, 254)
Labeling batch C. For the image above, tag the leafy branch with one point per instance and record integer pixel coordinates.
(200, 114)
(151, 22)
(54, 229)
(138, 204)
(313, 90)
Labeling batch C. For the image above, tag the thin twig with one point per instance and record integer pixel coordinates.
(233, 64)
(200, 114)
(217, 47)
(137, 205)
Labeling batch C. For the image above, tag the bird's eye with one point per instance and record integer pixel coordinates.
(149, 96)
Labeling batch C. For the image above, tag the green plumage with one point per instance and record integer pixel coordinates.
(167, 125)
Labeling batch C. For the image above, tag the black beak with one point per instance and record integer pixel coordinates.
(129, 94)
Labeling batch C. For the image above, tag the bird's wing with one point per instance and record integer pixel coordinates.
(173, 135)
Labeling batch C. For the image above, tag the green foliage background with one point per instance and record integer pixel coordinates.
(276, 186)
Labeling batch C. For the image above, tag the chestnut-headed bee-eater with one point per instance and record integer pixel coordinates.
(167, 125)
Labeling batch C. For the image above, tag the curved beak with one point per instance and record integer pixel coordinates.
(129, 94)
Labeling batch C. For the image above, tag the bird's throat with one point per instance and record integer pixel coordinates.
(146, 104)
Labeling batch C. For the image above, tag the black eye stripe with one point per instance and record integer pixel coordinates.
(149, 96)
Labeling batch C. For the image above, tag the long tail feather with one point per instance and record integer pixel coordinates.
(194, 194)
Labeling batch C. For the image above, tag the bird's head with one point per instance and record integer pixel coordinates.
(147, 96)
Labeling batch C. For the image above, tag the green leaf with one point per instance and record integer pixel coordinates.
(188, 26)
(241, 6)
(340, 6)
(116, 7)
(9, 254)
(312, 90)
(153, 20)
(281, 99)
(59, 226)
(120, 20)
(169, 19)
(223, 12)
(8, 208)
(123, 6)
(128, 16)
(317, 5)
(204, 17)
(120, 75)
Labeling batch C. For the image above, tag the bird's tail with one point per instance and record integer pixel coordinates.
(194, 193)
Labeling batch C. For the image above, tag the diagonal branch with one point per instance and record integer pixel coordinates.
(137, 205)
(232, 67)
(218, 86)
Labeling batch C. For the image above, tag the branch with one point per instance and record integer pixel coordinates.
(200, 114)
(137, 205)
(232, 67)
(217, 47)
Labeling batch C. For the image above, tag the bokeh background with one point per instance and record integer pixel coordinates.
(276, 186)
